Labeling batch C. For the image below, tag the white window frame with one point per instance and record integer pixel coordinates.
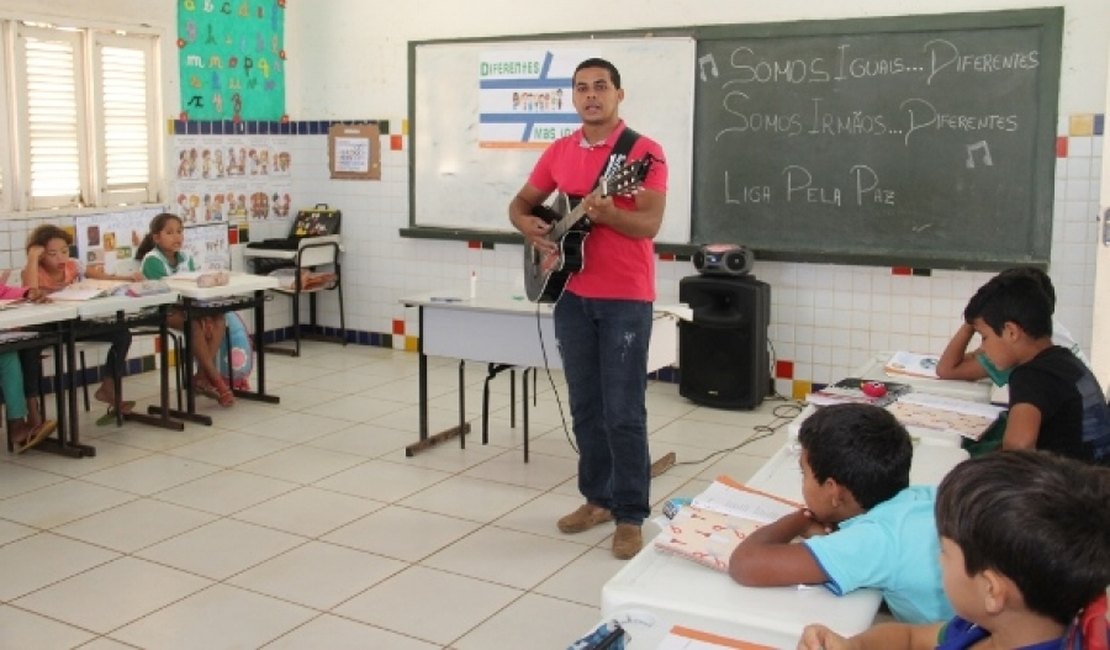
(15, 163)
(75, 39)
(133, 194)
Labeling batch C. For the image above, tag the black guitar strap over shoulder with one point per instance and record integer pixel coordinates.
(621, 148)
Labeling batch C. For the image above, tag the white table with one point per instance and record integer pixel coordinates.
(53, 321)
(243, 290)
(669, 590)
(503, 330)
(107, 313)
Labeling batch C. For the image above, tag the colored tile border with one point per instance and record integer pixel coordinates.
(269, 127)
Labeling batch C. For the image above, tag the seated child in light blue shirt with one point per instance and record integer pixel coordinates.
(864, 525)
(1025, 558)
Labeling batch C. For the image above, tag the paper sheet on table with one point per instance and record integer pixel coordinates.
(734, 498)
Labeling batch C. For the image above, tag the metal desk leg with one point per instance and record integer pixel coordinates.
(425, 441)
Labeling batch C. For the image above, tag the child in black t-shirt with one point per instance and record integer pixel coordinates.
(1055, 401)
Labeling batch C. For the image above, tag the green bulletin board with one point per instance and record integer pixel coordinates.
(232, 59)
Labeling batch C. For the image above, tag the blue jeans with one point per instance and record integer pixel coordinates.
(604, 346)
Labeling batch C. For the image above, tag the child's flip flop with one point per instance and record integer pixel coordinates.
(36, 435)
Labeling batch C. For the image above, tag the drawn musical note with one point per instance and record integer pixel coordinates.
(707, 59)
(972, 148)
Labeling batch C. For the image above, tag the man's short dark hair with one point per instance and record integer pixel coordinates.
(595, 62)
(1041, 520)
(1016, 298)
(862, 447)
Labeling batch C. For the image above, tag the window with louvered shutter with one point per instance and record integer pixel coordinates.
(85, 115)
(53, 117)
(123, 119)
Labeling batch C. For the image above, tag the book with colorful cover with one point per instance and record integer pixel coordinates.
(912, 364)
(708, 530)
(705, 536)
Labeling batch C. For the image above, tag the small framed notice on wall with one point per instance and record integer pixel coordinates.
(354, 151)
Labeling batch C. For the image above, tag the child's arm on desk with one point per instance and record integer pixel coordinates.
(887, 636)
(1023, 427)
(768, 557)
(956, 362)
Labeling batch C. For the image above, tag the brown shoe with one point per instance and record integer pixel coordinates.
(584, 518)
(627, 541)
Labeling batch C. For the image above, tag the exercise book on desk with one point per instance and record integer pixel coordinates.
(912, 364)
(970, 419)
(708, 530)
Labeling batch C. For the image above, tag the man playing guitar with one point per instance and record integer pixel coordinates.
(603, 318)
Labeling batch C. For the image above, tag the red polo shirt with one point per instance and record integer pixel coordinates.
(615, 266)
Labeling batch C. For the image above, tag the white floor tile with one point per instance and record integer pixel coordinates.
(134, 525)
(227, 491)
(470, 498)
(218, 618)
(22, 629)
(402, 533)
(534, 621)
(221, 548)
(34, 562)
(336, 633)
(136, 588)
(318, 575)
(308, 511)
(506, 557)
(428, 604)
(151, 474)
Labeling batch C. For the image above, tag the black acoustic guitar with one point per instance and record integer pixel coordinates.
(545, 276)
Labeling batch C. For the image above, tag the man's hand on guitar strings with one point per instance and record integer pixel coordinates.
(536, 231)
(599, 208)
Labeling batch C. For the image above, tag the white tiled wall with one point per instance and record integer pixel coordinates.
(826, 320)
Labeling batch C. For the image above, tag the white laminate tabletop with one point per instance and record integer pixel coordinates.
(27, 314)
(238, 283)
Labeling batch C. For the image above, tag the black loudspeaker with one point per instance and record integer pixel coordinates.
(723, 259)
(722, 353)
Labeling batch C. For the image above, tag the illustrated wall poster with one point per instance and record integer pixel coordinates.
(232, 59)
(525, 97)
(232, 178)
(112, 239)
(208, 246)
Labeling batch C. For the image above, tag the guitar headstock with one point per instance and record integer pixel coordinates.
(628, 179)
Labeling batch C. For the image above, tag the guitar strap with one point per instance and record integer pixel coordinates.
(615, 161)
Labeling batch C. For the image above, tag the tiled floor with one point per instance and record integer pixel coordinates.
(303, 525)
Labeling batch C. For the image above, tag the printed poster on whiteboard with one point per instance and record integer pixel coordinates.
(525, 97)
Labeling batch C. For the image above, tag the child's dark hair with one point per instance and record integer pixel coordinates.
(1040, 276)
(861, 447)
(42, 235)
(1041, 520)
(157, 225)
(595, 62)
(1017, 298)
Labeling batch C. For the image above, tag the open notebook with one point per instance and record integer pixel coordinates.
(708, 530)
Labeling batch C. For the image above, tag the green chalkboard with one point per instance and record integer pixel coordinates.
(918, 140)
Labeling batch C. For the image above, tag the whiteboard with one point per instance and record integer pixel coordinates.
(459, 184)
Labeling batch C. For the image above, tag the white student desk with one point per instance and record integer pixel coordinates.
(503, 330)
(243, 290)
(668, 590)
(51, 321)
(107, 313)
